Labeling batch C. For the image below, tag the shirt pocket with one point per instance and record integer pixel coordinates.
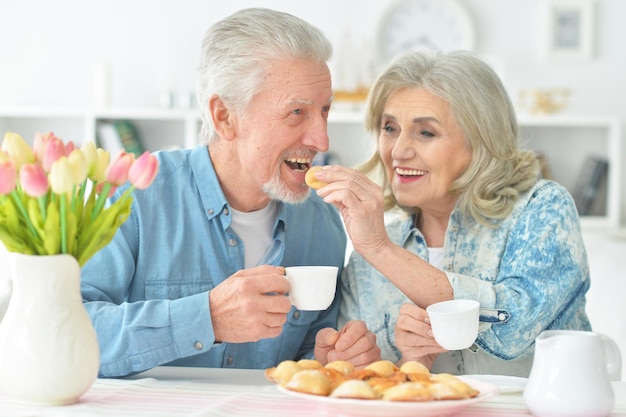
(298, 318)
(172, 290)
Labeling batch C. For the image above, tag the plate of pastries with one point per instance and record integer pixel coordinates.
(381, 388)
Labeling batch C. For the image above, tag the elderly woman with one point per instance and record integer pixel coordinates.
(478, 221)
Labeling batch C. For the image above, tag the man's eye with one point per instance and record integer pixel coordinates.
(297, 111)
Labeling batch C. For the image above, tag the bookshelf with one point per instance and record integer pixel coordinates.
(565, 141)
(568, 142)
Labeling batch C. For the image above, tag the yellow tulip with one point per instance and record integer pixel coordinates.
(78, 164)
(18, 150)
(61, 176)
(89, 150)
(103, 158)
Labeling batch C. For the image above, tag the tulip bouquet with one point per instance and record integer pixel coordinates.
(54, 197)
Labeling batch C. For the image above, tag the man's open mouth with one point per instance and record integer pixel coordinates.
(299, 164)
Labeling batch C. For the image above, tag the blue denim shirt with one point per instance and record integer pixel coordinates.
(529, 274)
(147, 291)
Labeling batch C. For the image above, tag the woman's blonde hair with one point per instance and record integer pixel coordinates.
(499, 171)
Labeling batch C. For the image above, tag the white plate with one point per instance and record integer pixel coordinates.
(377, 408)
(506, 384)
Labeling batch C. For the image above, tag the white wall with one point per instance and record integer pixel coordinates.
(49, 49)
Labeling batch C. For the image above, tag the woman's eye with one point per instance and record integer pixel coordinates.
(388, 128)
(427, 133)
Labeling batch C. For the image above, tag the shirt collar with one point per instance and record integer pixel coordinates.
(213, 198)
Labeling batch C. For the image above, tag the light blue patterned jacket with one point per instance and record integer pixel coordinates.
(529, 274)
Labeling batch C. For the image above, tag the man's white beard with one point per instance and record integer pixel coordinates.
(276, 190)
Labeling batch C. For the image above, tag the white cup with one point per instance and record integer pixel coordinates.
(454, 323)
(312, 287)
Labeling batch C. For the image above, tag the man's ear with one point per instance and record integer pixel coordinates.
(223, 119)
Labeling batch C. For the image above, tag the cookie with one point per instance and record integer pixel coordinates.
(310, 179)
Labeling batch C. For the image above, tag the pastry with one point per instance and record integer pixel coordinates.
(344, 367)
(309, 381)
(411, 367)
(463, 389)
(407, 391)
(363, 374)
(356, 389)
(310, 179)
(379, 380)
(380, 384)
(383, 368)
(309, 364)
(282, 373)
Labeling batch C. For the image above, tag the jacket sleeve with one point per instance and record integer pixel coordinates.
(541, 281)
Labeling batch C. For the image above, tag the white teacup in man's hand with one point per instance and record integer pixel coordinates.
(312, 287)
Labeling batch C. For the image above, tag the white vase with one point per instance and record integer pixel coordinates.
(48, 347)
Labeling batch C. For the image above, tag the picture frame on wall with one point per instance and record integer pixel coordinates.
(569, 29)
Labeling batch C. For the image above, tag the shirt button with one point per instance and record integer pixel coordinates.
(232, 242)
(210, 211)
(296, 315)
(502, 316)
(225, 211)
(198, 345)
(229, 361)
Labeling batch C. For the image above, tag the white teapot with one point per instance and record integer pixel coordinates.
(570, 375)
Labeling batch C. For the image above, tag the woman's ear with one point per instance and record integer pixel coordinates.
(223, 119)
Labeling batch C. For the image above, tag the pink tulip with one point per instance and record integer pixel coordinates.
(8, 177)
(33, 180)
(143, 171)
(54, 149)
(117, 174)
(40, 143)
(69, 148)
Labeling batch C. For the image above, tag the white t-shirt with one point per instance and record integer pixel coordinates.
(255, 230)
(435, 257)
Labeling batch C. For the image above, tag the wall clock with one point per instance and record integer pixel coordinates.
(442, 25)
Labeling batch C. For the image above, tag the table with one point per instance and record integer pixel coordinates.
(199, 392)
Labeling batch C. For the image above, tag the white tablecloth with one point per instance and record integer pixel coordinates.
(188, 392)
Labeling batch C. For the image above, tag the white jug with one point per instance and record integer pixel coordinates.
(570, 374)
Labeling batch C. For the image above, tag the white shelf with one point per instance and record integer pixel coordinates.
(566, 138)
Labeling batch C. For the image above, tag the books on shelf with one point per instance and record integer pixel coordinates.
(589, 192)
(119, 135)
